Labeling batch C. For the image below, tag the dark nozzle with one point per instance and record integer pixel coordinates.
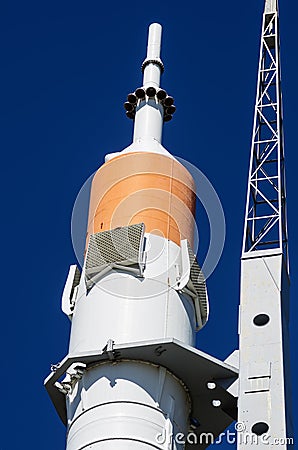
(151, 91)
(130, 115)
(128, 106)
(140, 93)
(132, 98)
(161, 94)
(168, 101)
(167, 117)
(170, 109)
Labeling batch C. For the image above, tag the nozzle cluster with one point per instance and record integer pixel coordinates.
(150, 92)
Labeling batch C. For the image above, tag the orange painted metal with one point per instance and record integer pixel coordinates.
(143, 187)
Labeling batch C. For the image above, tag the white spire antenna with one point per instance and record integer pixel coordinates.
(149, 111)
(153, 66)
(150, 105)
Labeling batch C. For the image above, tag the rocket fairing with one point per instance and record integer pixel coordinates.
(132, 378)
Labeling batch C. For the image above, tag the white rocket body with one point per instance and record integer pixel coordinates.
(132, 378)
(128, 404)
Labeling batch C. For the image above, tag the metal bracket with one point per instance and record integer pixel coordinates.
(197, 370)
(109, 350)
(73, 374)
(193, 283)
(70, 290)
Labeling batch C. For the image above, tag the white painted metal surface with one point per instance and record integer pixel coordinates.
(126, 308)
(149, 113)
(197, 371)
(124, 405)
(264, 395)
(152, 71)
(129, 403)
(264, 407)
(70, 290)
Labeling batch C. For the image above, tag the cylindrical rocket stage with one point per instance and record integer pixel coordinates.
(144, 187)
(127, 405)
(133, 404)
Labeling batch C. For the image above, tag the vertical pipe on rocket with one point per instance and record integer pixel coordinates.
(149, 112)
(152, 70)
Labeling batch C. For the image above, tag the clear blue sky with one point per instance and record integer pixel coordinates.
(66, 68)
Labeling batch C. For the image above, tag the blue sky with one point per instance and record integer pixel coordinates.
(66, 68)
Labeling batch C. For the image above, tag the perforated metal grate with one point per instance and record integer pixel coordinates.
(121, 246)
(197, 283)
(76, 278)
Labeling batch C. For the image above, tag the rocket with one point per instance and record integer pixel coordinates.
(133, 378)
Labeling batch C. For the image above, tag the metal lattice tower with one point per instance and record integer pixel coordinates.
(264, 403)
(265, 222)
